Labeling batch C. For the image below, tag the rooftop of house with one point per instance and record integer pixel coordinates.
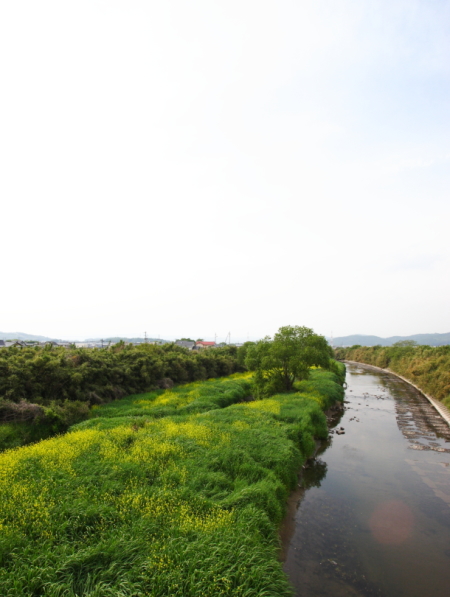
(185, 344)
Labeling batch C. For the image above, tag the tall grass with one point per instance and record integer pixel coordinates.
(43, 391)
(185, 399)
(428, 367)
(143, 502)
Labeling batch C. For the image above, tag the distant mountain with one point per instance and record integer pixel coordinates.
(21, 336)
(427, 339)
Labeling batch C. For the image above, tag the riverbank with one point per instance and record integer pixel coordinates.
(46, 390)
(179, 493)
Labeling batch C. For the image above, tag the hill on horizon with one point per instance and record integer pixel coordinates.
(367, 340)
(113, 340)
(22, 336)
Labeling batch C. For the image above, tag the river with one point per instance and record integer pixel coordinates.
(372, 515)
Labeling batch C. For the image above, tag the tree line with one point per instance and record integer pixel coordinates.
(78, 378)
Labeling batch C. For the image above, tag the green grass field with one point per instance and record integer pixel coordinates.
(177, 493)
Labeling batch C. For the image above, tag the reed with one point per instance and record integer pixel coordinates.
(138, 501)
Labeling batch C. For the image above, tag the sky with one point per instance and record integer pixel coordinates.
(197, 168)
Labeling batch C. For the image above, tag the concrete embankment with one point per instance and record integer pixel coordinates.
(442, 410)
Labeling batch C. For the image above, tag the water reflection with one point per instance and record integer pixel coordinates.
(313, 473)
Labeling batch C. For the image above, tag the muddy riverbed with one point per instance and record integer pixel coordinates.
(372, 516)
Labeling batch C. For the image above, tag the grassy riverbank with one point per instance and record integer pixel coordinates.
(43, 391)
(174, 493)
(428, 367)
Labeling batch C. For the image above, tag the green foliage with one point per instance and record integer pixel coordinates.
(190, 398)
(428, 367)
(42, 375)
(288, 357)
(19, 433)
(61, 379)
(138, 505)
(242, 354)
(327, 385)
(26, 423)
(338, 369)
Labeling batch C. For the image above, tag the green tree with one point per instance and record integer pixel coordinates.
(278, 363)
(242, 353)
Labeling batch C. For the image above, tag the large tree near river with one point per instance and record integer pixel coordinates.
(288, 357)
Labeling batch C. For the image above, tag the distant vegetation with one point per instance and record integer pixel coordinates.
(45, 390)
(171, 493)
(427, 367)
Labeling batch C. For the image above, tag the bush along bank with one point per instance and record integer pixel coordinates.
(141, 501)
(43, 391)
(428, 367)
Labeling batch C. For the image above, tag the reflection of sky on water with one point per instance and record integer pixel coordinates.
(391, 522)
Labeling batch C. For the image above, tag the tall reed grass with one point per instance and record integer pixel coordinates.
(141, 501)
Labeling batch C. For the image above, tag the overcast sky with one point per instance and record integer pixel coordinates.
(194, 167)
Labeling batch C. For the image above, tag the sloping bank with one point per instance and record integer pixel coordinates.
(177, 493)
(425, 367)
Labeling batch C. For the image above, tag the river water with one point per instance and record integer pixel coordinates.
(372, 516)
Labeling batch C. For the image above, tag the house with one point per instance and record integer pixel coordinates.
(185, 344)
(201, 344)
(8, 343)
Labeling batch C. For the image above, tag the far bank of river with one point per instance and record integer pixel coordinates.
(373, 513)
